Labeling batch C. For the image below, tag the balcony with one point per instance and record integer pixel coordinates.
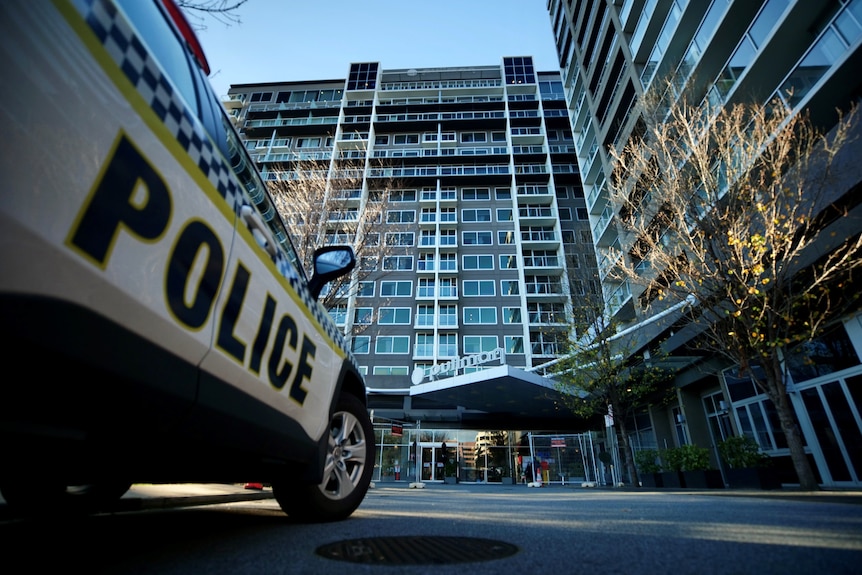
(540, 238)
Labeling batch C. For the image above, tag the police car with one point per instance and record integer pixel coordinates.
(157, 325)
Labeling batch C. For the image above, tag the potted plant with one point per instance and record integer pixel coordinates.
(671, 467)
(746, 466)
(694, 464)
(649, 470)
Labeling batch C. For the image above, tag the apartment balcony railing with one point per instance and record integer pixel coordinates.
(438, 100)
(444, 291)
(433, 171)
(533, 191)
(276, 122)
(544, 317)
(602, 223)
(549, 288)
(426, 350)
(531, 169)
(434, 152)
(440, 85)
(619, 297)
(269, 107)
(528, 150)
(439, 116)
(551, 349)
(542, 212)
(542, 262)
(443, 196)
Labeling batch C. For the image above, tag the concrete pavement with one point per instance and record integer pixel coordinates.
(554, 530)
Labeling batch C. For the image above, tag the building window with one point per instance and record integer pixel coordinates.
(403, 139)
(368, 263)
(261, 96)
(472, 137)
(402, 196)
(366, 289)
(338, 313)
(400, 239)
(362, 76)
(469, 194)
(424, 345)
(478, 288)
(387, 344)
(448, 238)
(361, 344)
(425, 315)
(393, 316)
(483, 215)
(363, 315)
(396, 288)
(448, 316)
(511, 315)
(508, 261)
(506, 237)
(514, 344)
(519, 70)
(503, 193)
(474, 344)
(505, 215)
(400, 216)
(480, 315)
(391, 370)
(509, 287)
(478, 262)
(447, 345)
(448, 263)
(391, 263)
(477, 238)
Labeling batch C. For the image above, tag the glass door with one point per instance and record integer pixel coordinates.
(432, 461)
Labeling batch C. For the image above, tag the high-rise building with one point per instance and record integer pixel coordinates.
(486, 227)
(806, 53)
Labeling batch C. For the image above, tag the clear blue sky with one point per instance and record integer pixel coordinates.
(292, 40)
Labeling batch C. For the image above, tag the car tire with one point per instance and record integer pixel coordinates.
(347, 469)
(31, 497)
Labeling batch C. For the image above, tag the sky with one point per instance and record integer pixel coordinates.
(292, 40)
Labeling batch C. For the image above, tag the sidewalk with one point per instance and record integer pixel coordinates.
(164, 495)
(167, 495)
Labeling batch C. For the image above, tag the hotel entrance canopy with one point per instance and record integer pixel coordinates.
(502, 397)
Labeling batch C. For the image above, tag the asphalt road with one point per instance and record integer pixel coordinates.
(446, 529)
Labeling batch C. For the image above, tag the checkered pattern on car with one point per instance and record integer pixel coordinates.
(125, 48)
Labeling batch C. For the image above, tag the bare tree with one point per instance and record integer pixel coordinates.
(324, 207)
(224, 11)
(598, 374)
(738, 207)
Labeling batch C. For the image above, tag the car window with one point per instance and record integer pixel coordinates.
(164, 44)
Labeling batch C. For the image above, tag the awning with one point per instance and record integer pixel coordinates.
(502, 393)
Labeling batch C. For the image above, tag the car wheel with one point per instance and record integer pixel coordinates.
(43, 496)
(346, 473)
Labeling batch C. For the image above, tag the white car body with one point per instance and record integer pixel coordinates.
(121, 210)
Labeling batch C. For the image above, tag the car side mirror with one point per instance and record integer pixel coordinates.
(330, 262)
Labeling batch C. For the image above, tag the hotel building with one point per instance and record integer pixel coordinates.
(487, 234)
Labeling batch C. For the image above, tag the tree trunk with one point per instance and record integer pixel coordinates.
(777, 392)
(627, 450)
(801, 464)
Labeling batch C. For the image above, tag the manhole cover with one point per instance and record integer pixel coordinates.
(416, 550)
